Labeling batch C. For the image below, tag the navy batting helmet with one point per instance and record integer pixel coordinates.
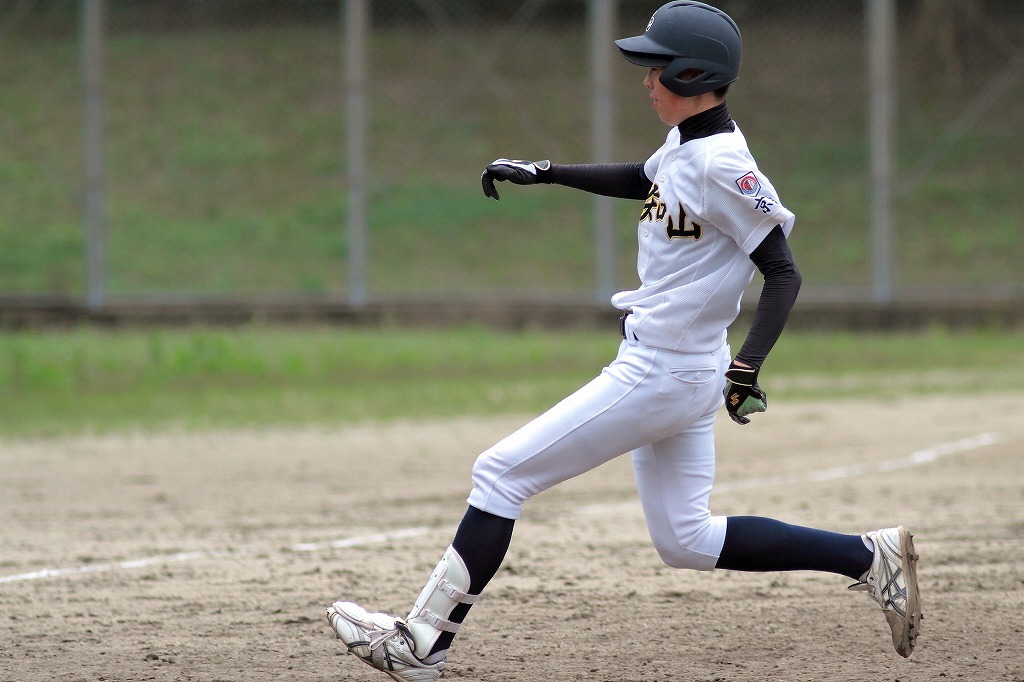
(686, 35)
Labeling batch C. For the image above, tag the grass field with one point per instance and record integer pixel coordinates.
(226, 161)
(94, 380)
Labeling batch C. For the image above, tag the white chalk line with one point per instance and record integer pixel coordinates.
(918, 458)
(926, 456)
(364, 540)
(192, 556)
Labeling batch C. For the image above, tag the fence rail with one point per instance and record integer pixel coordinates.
(329, 150)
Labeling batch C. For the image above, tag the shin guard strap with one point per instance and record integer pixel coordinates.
(455, 593)
(439, 623)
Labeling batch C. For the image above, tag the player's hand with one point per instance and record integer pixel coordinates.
(742, 394)
(515, 171)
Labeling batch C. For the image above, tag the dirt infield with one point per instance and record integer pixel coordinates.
(211, 556)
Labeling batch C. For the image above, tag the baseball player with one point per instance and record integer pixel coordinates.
(709, 217)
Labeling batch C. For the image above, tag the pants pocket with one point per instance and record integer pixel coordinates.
(693, 376)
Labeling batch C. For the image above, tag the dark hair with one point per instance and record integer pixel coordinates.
(722, 91)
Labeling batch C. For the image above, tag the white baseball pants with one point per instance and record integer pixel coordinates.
(658, 404)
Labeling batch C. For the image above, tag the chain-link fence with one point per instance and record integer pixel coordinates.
(207, 147)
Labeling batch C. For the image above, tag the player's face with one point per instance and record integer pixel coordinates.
(672, 109)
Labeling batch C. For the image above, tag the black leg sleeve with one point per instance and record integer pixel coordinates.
(754, 543)
(482, 541)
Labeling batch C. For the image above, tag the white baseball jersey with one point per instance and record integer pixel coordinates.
(708, 209)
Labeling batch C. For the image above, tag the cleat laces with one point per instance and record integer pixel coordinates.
(378, 637)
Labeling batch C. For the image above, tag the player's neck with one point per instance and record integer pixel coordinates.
(711, 121)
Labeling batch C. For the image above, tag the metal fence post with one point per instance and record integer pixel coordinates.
(602, 19)
(93, 139)
(356, 32)
(881, 21)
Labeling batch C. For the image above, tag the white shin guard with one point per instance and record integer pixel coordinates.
(447, 588)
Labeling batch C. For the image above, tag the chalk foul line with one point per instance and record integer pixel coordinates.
(100, 568)
(918, 458)
(364, 540)
(925, 456)
(192, 556)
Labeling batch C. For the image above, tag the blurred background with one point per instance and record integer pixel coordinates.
(326, 152)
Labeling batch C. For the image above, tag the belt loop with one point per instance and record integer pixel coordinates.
(622, 323)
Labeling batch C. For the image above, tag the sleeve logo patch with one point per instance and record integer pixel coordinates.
(749, 184)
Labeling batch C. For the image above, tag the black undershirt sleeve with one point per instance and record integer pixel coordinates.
(781, 285)
(619, 180)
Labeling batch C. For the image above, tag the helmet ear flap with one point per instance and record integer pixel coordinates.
(705, 80)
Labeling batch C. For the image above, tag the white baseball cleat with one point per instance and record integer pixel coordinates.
(382, 641)
(892, 582)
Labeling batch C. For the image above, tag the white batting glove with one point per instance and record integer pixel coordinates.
(515, 171)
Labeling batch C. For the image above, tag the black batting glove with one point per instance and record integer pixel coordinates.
(742, 394)
(515, 171)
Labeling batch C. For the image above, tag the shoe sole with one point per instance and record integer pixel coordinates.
(912, 624)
